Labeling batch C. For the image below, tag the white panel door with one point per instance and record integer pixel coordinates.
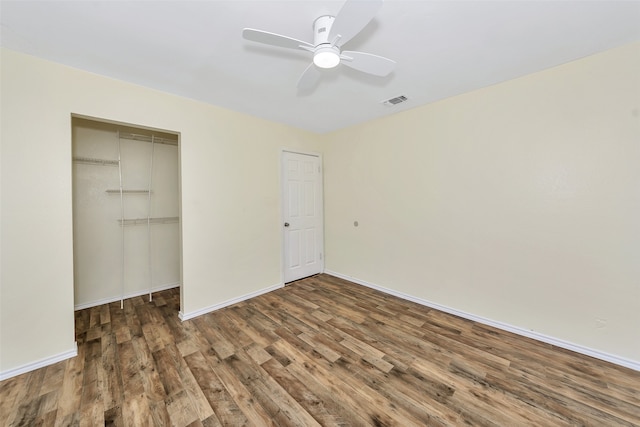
(302, 222)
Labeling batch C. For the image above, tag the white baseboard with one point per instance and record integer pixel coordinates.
(209, 309)
(627, 363)
(130, 295)
(40, 363)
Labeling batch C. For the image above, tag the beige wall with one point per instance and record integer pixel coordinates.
(230, 197)
(519, 203)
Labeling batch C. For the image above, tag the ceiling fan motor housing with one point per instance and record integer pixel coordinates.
(321, 30)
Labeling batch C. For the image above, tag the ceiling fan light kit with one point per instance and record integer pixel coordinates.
(329, 34)
(326, 57)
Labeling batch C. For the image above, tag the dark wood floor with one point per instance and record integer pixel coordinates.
(321, 351)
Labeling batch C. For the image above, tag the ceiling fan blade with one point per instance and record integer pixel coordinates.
(352, 18)
(274, 39)
(368, 63)
(309, 77)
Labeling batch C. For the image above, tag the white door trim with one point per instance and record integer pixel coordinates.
(283, 256)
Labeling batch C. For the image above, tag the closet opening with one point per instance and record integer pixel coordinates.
(126, 214)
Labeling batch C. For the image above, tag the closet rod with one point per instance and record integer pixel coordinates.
(146, 138)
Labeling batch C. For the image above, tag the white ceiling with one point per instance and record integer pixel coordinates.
(195, 48)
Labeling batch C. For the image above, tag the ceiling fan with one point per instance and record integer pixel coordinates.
(329, 34)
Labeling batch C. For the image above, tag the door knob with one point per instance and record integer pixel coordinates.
(286, 224)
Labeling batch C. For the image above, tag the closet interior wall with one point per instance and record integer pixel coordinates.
(126, 243)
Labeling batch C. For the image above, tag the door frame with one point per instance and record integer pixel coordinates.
(283, 255)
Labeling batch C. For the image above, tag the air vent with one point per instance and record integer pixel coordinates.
(395, 101)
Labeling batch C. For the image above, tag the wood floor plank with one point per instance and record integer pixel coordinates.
(113, 391)
(180, 409)
(342, 410)
(131, 317)
(283, 313)
(355, 314)
(259, 392)
(113, 417)
(311, 403)
(250, 407)
(53, 378)
(159, 413)
(224, 406)
(401, 389)
(231, 330)
(168, 372)
(12, 391)
(321, 351)
(69, 420)
(197, 398)
(283, 403)
(92, 401)
(376, 409)
(186, 335)
(257, 321)
(151, 381)
(131, 376)
(218, 342)
(46, 420)
(71, 391)
(212, 421)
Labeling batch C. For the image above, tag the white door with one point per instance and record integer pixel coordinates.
(302, 215)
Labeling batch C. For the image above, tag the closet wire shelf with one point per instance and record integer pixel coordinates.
(156, 139)
(143, 221)
(94, 161)
(128, 191)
